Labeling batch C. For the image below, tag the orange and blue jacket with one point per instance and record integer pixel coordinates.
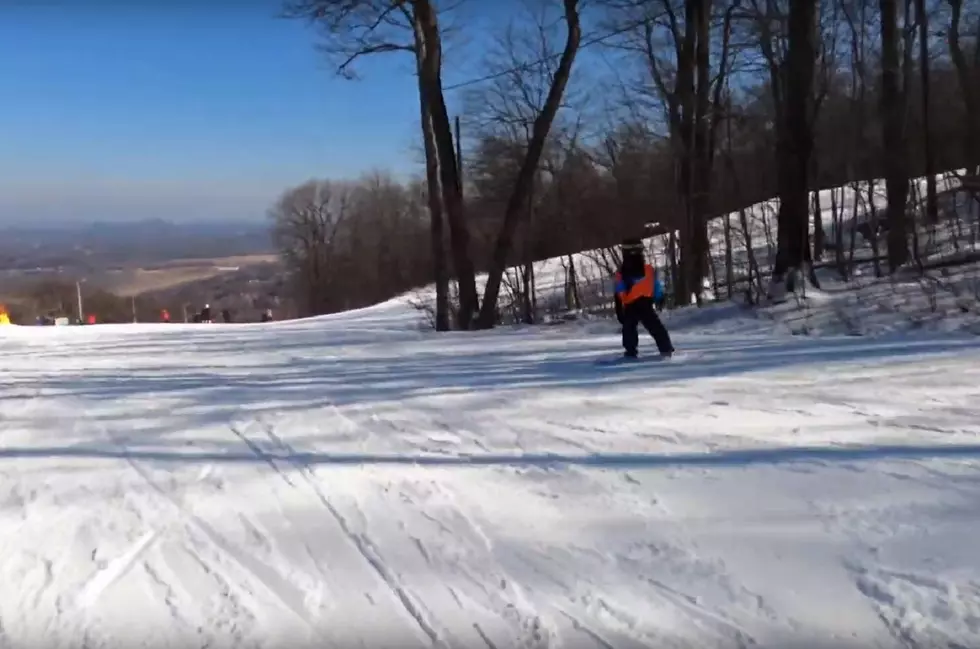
(630, 289)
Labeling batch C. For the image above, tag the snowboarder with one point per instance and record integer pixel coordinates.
(637, 289)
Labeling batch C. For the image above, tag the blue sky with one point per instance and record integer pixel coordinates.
(184, 110)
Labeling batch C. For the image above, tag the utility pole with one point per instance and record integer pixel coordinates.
(78, 293)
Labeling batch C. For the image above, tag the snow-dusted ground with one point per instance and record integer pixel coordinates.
(353, 481)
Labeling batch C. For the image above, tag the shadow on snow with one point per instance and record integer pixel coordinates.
(281, 370)
(737, 458)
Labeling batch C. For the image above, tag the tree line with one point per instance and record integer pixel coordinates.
(593, 120)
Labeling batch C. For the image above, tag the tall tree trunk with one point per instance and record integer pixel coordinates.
(682, 141)
(720, 106)
(675, 272)
(892, 109)
(819, 234)
(528, 271)
(430, 82)
(794, 148)
(437, 240)
(703, 150)
(968, 90)
(729, 260)
(434, 193)
(523, 183)
(932, 200)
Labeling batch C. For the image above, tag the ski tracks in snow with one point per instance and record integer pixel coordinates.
(462, 580)
(289, 549)
(181, 555)
(900, 598)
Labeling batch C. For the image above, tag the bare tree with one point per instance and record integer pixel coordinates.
(932, 201)
(892, 103)
(351, 29)
(330, 232)
(967, 75)
(802, 96)
(504, 113)
(306, 221)
(795, 78)
(525, 176)
(830, 24)
(675, 41)
(440, 272)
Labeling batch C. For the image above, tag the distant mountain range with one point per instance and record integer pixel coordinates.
(99, 245)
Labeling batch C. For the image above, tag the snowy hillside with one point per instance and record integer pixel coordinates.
(354, 481)
(936, 297)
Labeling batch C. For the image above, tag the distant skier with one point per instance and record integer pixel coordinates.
(637, 289)
(206, 313)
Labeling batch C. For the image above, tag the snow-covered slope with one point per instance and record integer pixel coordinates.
(950, 299)
(354, 481)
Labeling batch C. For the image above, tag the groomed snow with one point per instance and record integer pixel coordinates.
(353, 481)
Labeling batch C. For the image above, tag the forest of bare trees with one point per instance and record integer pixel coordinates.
(593, 120)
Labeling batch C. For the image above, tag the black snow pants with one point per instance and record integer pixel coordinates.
(641, 312)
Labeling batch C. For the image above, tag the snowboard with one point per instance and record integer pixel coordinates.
(650, 358)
